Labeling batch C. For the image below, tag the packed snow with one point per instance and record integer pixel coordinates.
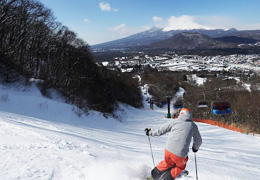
(198, 80)
(247, 87)
(43, 138)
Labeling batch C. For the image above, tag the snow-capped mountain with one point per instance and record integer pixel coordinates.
(159, 34)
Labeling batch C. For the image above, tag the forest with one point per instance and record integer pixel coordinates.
(33, 44)
(245, 104)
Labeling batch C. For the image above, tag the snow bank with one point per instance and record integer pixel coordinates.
(197, 80)
(52, 142)
(247, 87)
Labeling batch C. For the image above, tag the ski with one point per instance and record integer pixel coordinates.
(184, 173)
(149, 178)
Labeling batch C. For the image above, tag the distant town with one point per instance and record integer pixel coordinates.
(246, 65)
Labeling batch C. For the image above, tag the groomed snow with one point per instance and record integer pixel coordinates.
(42, 139)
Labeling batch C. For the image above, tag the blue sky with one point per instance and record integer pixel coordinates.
(101, 21)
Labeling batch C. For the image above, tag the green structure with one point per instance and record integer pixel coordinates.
(169, 108)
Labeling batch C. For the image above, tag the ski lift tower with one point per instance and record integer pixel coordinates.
(169, 104)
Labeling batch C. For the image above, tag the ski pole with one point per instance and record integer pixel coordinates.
(196, 166)
(151, 150)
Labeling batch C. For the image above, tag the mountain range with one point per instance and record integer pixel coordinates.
(157, 38)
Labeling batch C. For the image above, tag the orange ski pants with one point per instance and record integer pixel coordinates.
(177, 163)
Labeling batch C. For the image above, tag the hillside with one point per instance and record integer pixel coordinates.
(237, 40)
(34, 45)
(44, 139)
(190, 41)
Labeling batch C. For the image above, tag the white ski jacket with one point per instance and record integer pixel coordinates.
(181, 130)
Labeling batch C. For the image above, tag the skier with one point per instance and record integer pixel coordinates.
(175, 116)
(181, 130)
(175, 113)
(151, 104)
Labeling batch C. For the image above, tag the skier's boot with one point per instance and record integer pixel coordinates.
(156, 173)
(167, 176)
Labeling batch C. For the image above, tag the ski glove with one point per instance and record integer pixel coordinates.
(194, 150)
(147, 131)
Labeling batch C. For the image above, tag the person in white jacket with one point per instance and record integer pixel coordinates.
(181, 130)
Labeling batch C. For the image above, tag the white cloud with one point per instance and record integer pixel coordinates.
(225, 22)
(157, 19)
(122, 30)
(218, 22)
(251, 26)
(106, 7)
(119, 27)
(183, 22)
(159, 22)
(86, 20)
(145, 28)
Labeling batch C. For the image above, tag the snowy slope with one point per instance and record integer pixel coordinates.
(43, 139)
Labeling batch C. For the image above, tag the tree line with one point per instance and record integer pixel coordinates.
(35, 45)
(245, 105)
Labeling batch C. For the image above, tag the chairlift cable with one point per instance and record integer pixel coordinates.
(220, 89)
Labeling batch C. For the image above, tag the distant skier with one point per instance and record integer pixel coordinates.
(175, 116)
(151, 104)
(181, 130)
(175, 113)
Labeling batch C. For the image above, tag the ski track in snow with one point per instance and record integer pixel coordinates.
(63, 146)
